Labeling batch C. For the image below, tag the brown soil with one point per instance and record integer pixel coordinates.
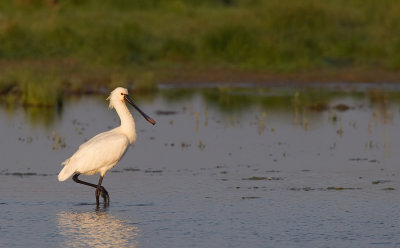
(351, 76)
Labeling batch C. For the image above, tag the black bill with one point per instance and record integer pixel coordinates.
(128, 99)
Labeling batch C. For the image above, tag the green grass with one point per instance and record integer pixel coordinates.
(80, 44)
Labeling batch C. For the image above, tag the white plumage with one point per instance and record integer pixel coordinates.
(103, 151)
(97, 155)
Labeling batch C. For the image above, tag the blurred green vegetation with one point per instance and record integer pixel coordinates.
(53, 46)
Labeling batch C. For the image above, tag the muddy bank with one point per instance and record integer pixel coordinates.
(219, 75)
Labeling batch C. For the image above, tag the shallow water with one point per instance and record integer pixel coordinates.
(223, 167)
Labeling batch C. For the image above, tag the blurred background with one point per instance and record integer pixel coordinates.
(87, 45)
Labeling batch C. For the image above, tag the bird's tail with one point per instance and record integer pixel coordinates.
(66, 172)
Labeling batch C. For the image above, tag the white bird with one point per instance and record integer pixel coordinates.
(103, 151)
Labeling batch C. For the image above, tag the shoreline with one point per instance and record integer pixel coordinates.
(45, 90)
(305, 78)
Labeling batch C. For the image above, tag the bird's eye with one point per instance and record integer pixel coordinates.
(122, 94)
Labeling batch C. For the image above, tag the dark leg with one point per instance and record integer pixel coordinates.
(99, 189)
(75, 178)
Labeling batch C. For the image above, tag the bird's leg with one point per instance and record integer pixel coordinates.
(75, 178)
(99, 189)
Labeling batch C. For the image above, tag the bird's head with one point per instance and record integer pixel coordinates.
(120, 95)
(117, 95)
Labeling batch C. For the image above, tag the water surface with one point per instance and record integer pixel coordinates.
(223, 167)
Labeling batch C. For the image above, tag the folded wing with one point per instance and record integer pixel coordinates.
(98, 154)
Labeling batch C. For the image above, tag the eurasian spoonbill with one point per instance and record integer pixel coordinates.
(103, 151)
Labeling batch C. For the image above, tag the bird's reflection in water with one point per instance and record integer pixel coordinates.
(95, 229)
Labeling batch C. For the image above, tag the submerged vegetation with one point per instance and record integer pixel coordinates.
(49, 47)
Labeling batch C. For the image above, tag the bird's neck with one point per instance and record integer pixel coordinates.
(127, 122)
